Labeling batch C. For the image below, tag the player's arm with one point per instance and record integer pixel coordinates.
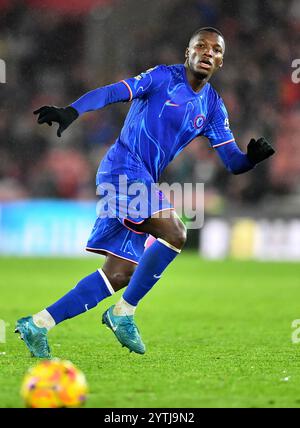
(123, 91)
(223, 141)
(93, 100)
(238, 162)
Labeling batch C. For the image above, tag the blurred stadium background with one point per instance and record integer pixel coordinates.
(55, 50)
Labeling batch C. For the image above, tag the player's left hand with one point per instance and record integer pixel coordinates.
(259, 150)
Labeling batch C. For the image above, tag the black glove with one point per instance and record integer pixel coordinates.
(63, 116)
(259, 150)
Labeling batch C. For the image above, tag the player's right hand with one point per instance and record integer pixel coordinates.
(64, 116)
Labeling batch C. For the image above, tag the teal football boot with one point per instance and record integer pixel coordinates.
(125, 330)
(34, 337)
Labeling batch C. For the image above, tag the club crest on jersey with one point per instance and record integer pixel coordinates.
(199, 121)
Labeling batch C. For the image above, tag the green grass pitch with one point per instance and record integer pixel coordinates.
(218, 334)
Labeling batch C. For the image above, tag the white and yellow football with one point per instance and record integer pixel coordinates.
(54, 384)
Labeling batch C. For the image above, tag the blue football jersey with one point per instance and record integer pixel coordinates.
(165, 116)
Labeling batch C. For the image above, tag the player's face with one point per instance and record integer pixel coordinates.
(205, 53)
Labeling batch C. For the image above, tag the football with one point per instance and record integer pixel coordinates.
(54, 384)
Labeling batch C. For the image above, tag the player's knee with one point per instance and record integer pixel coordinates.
(119, 280)
(178, 236)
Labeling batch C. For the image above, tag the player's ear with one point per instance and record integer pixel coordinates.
(187, 52)
(221, 64)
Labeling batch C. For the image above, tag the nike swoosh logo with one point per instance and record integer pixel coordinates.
(170, 104)
(111, 324)
(156, 276)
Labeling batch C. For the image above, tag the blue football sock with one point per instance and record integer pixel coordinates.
(86, 295)
(151, 266)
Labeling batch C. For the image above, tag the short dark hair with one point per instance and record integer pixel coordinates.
(209, 29)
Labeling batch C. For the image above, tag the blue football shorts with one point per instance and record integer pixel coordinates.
(124, 202)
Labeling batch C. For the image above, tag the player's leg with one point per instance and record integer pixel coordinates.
(170, 234)
(118, 271)
(171, 237)
(91, 290)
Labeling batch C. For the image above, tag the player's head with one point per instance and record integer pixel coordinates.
(204, 55)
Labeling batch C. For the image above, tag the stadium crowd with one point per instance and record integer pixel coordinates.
(46, 59)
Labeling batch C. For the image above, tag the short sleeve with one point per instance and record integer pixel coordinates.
(146, 82)
(218, 128)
